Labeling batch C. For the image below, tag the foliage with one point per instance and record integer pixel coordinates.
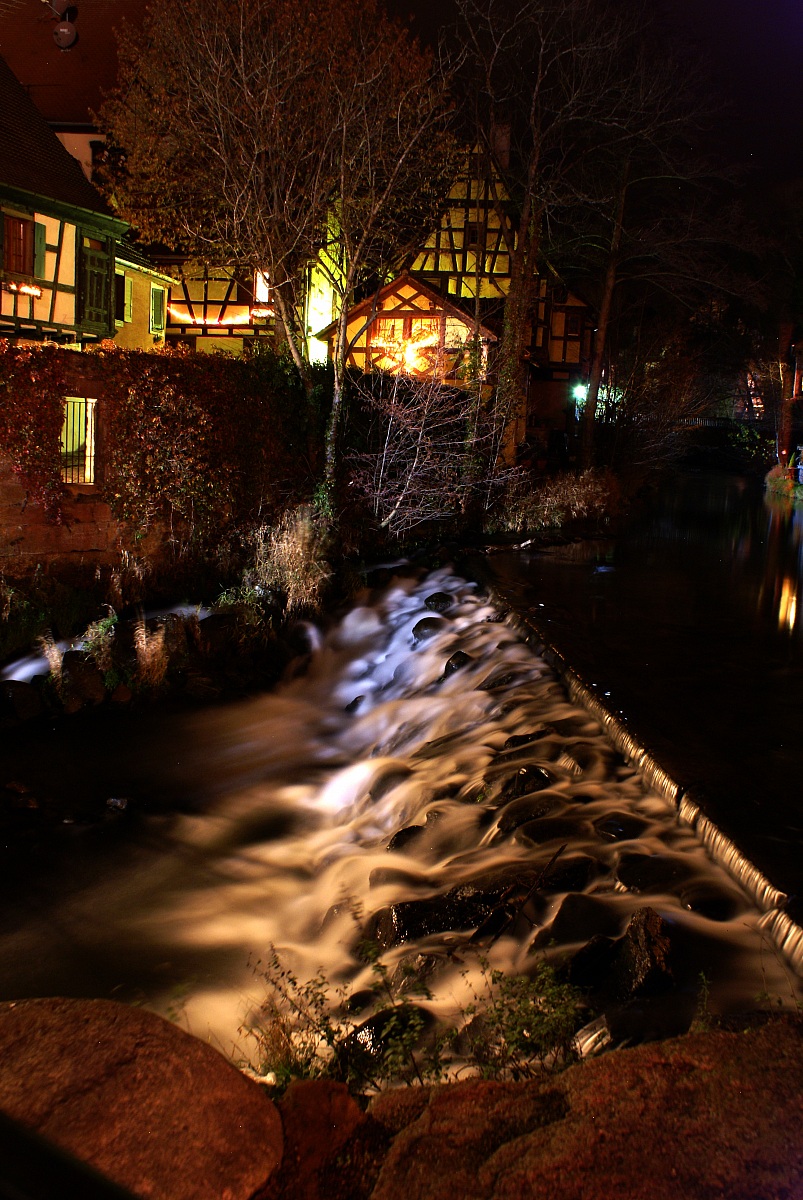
(31, 418)
(516, 1027)
(98, 640)
(554, 501)
(31, 608)
(152, 656)
(213, 150)
(522, 1024)
(781, 489)
(201, 442)
(290, 558)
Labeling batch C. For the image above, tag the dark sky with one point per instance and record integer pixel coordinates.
(752, 53)
(752, 50)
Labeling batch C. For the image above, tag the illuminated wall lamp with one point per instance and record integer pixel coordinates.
(23, 289)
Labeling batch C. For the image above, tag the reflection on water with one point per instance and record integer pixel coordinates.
(690, 623)
(416, 779)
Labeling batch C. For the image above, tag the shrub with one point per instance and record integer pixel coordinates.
(290, 558)
(557, 500)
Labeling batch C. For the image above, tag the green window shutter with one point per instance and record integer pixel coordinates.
(157, 309)
(129, 298)
(39, 251)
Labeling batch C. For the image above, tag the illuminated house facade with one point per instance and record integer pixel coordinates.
(216, 308)
(57, 236)
(455, 287)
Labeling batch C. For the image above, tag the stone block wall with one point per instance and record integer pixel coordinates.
(89, 536)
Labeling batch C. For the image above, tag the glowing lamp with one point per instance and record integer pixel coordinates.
(23, 289)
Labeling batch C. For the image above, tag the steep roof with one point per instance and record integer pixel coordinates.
(32, 158)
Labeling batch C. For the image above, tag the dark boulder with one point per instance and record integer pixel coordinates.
(652, 872)
(580, 918)
(404, 838)
(527, 779)
(620, 826)
(439, 602)
(81, 678)
(458, 910)
(553, 829)
(21, 701)
(427, 628)
(458, 660)
(528, 808)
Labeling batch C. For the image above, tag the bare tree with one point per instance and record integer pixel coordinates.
(544, 79)
(417, 468)
(268, 134)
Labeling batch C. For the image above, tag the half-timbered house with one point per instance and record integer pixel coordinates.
(57, 236)
(454, 288)
(216, 308)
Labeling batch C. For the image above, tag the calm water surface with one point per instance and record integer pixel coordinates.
(691, 625)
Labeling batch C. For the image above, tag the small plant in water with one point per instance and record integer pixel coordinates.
(99, 640)
(152, 658)
(52, 654)
(521, 1025)
(516, 1027)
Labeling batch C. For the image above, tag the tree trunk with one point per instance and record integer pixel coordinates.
(511, 390)
(601, 338)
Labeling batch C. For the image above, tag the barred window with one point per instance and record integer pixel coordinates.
(78, 440)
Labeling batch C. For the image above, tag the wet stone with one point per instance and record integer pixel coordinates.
(354, 704)
(361, 1055)
(571, 873)
(526, 779)
(552, 829)
(581, 918)
(499, 679)
(711, 902)
(620, 826)
(519, 740)
(643, 961)
(458, 910)
(458, 659)
(21, 700)
(439, 602)
(527, 808)
(414, 971)
(387, 782)
(403, 838)
(427, 628)
(651, 872)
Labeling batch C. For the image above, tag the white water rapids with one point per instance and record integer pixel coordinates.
(310, 783)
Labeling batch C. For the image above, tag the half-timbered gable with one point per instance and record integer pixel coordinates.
(468, 255)
(57, 237)
(409, 328)
(217, 308)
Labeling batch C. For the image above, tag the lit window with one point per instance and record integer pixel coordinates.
(78, 440)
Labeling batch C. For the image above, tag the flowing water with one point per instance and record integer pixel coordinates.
(286, 832)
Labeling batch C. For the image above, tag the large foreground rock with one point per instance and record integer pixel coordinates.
(709, 1115)
(155, 1110)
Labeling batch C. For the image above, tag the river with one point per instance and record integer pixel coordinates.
(388, 787)
(690, 626)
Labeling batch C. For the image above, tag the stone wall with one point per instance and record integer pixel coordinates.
(89, 536)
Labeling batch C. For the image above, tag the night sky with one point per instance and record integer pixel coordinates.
(752, 51)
